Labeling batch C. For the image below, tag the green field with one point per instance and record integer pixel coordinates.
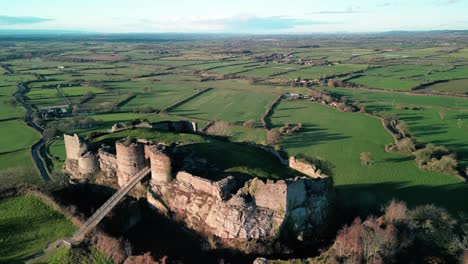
(455, 86)
(339, 138)
(231, 106)
(15, 135)
(27, 226)
(321, 71)
(385, 83)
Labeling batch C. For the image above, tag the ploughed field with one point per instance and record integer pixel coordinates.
(120, 81)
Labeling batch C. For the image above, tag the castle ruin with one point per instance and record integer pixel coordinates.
(230, 208)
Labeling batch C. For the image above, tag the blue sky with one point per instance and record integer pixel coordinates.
(239, 16)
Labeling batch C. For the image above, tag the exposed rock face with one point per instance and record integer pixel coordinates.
(259, 210)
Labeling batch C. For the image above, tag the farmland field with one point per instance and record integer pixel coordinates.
(336, 98)
(455, 86)
(385, 83)
(231, 106)
(27, 226)
(339, 138)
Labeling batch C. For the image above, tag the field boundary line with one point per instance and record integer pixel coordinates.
(178, 103)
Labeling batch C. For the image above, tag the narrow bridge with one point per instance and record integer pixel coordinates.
(107, 207)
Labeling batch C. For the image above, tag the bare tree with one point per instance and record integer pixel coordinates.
(273, 137)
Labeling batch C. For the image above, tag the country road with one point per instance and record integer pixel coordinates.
(35, 150)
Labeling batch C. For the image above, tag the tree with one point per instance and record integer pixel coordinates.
(406, 146)
(273, 136)
(250, 123)
(395, 211)
(347, 244)
(220, 128)
(377, 243)
(402, 128)
(366, 158)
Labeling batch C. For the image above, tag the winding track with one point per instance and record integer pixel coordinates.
(35, 150)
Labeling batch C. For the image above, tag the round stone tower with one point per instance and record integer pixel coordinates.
(160, 164)
(88, 163)
(130, 160)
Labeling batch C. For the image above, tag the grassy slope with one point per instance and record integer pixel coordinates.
(26, 226)
(339, 138)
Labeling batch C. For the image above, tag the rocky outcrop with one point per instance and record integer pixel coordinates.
(259, 210)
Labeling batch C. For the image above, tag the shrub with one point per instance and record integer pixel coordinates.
(406, 146)
(110, 247)
(395, 212)
(366, 158)
(220, 128)
(402, 127)
(142, 259)
(250, 123)
(273, 137)
(446, 164)
(290, 129)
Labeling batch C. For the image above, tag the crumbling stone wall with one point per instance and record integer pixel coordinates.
(257, 211)
(73, 146)
(80, 162)
(160, 164)
(219, 189)
(107, 163)
(304, 167)
(269, 195)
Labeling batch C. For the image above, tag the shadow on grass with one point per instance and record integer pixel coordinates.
(371, 197)
(311, 135)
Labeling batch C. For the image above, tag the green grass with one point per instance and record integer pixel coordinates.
(15, 135)
(385, 82)
(56, 149)
(454, 86)
(227, 105)
(65, 255)
(321, 71)
(339, 138)
(395, 99)
(404, 71)
(155, 136)
(27, 226)
(269, 70)
(18, 168)
(234, 68)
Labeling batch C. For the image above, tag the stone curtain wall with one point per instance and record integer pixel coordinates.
(304, 167)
